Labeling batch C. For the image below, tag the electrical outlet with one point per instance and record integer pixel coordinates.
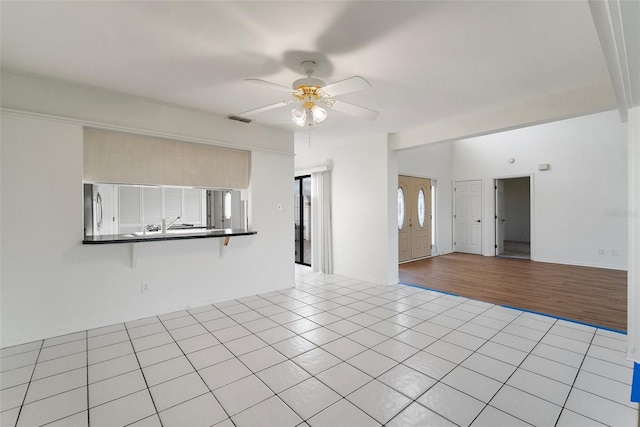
(144, 287)
(615, 252)
(602, 251)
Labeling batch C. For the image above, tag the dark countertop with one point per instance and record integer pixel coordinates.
(184, 234)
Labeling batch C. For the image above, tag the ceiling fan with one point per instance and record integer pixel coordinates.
(315, 97)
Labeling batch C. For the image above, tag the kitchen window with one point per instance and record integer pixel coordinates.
(125, 209)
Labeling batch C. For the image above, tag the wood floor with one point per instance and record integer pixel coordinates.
(589, 295)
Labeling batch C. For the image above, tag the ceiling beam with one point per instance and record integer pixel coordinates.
(616, 22)
(590, 99)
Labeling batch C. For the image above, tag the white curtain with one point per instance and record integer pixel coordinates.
(321, 242)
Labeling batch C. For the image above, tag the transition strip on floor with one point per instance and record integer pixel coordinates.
(523, 309)
(635, 383)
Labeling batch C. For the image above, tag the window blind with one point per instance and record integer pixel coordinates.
(118, 157)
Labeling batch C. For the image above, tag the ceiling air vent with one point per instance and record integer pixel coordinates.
(238, 118)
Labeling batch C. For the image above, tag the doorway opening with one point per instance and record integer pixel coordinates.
(302, 219)
(513, 217)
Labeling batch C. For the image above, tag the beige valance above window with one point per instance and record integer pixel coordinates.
(117, 157)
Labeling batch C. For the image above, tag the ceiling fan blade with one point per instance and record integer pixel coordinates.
(350, 84)
(267, 108)
(271, 85)
(354, 110)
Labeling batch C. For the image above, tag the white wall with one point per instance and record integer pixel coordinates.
(579, 203)
(362, 213)
(51, 284)
(434, 161)
(360, 210)
(113, 110)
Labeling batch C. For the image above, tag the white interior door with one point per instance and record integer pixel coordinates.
(468, 217)
(500, 217)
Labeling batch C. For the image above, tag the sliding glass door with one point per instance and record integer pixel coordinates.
(302, 219)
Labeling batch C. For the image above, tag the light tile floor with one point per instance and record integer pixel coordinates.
(332, 351)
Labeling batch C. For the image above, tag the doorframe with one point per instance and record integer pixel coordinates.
(302, 217)
(531, 176)
(434, 215)
(434, 212)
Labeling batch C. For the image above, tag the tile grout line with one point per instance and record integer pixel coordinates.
(439, 381)
(194, 368)
(415, 400)
(397, 363)
(52, 395)
(244, 364)
(144, 377)
(486, 341)
(290, 359)
(578, 369)
(45, 361)
(376, 378)
(575, 379)
(341, 360)
(87, 364)
(24, 398)
(504, 383)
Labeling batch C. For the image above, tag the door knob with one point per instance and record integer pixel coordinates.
(477, 220)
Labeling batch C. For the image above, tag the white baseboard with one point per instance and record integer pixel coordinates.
(578, 263)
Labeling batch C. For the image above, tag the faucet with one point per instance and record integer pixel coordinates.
(151, 227)
(165, 227)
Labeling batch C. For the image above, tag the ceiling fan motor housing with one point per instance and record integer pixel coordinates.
(308, 82)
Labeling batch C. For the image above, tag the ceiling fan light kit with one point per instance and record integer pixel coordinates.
(315, 97)
(308, 114)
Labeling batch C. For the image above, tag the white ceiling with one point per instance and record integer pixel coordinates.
(428, 61)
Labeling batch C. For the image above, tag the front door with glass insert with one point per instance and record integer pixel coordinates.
(421, 230)
(404, 218)
(414, 217)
